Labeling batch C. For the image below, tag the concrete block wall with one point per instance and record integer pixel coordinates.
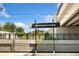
(5, 47)
(67, 30)
(67, 45)
(60, 45)
(45, 47)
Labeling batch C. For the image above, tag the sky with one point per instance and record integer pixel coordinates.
(24, 14)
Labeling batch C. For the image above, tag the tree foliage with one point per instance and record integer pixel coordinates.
(10, 27)
(1, 27)
(19, 31)
(48, 36)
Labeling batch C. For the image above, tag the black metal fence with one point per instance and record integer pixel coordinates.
(57, 36)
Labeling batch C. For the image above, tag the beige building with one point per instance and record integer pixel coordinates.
(7, 35)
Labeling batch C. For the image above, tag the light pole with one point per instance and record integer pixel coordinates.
(53, 20)
(35, 38)
(53, 37)
(1, 8)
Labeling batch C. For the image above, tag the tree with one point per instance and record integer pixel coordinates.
(48, 36)
(10, 27)
(19, 32)
(1, 27)
(39, 33)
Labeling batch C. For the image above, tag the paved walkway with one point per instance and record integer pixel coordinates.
(39, 54)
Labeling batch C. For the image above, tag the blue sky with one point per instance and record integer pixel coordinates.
(23, 14)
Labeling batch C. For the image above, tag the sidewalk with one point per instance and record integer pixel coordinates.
(39, 54)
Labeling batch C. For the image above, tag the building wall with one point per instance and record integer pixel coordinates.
(67, 30)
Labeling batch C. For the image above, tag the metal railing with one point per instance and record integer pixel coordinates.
(57, 36)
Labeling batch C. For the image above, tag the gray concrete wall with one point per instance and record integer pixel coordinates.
(5, 47)
(46, 45)
(67, 30)
(67, 45)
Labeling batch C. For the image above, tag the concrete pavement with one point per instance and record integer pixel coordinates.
(39, 54)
